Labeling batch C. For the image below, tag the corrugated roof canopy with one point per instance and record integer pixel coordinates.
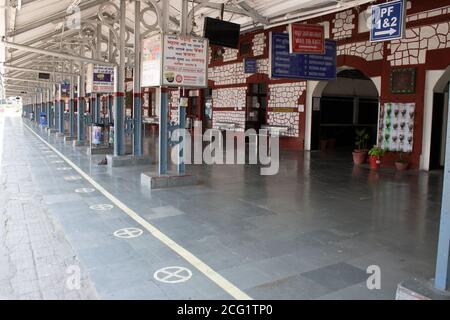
(44, 23)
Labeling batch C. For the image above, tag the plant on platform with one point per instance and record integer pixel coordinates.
(375, 155)
(360, 154)
(402, 162)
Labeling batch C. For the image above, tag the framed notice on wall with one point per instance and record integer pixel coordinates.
(175, 61)
(403, 80)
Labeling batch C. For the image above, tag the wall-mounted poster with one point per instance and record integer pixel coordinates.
(403, 80)
(185, 61)
(100, 79)
(175, 61)
(151, 61)
(397, 127)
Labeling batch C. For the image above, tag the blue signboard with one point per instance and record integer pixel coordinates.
(301, 66)
(65, 89)
(250, 65)
(387, 21)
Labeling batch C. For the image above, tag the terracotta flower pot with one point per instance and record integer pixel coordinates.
(401, 166)
(375, 162)
(359, 157)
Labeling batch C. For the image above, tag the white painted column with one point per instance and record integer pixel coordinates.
(431, 78)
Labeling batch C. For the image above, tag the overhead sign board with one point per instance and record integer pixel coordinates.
(250, 65)
(387, 21)
(185, 61)
(175, 61)
(65, 90)
(100, 79)
(286, 65)
(44, 75)
(151, 61)
(306, 38)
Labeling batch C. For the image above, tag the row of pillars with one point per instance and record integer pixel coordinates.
(118, 115)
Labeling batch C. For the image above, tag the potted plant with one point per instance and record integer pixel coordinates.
(375, 155)
(402, 163)
(360, 154)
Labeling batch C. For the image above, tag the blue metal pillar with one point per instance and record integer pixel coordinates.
(163, 133)
(110, 108)
(98, 106)
(71, 117)
(119, 124)
(182, 122)
(60, 108)
(47, 106)
(61, 116)
(137, 115)
(56, 104)
(442, 279)
(137, 103)
(80, 119)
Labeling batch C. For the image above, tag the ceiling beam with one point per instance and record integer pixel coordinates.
(61, 55)
(253, 13)
(57, 16)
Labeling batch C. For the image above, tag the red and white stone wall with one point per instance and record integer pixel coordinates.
(426, 46)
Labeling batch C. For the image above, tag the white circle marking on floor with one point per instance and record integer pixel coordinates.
(64, 169)
(101, 207)
(84, 190)
(72, 178)
(128, 233)
(173, 275)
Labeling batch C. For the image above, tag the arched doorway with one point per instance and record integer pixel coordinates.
(340, 107)
(439, 122)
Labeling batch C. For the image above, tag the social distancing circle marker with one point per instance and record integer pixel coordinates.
(64, 169)
(52, 156)
(72, 178)
(128, 233)
(173, 275)
(57, 161)
(84, 190)
(101, 207)
(197, 263)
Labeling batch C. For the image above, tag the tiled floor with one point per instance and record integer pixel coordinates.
(309, 232)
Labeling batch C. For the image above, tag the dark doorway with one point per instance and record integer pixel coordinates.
(256, 106)
(438, 131)
(347, 104)
(207, 109)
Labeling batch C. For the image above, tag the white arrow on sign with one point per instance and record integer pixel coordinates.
(390, 32)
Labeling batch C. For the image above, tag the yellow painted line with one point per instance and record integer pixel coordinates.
(215, 277)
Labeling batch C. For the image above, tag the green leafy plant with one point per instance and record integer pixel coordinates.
(376, 152)
(362, 138)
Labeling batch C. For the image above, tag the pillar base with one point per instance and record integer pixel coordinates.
(81, 143)
(155, 181)
(60, 134)
(99, 150)
(127, 160)
(51, 131)
(417, 289)
(68, 139)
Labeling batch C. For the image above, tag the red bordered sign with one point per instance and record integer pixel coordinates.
(306, 38)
